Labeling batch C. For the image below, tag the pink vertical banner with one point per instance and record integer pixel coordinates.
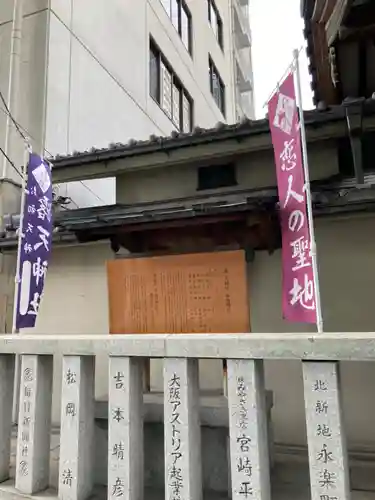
(298, 296)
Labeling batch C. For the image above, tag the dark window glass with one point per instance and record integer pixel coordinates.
(154, 73)
(185, 28)
(215, 21)
(217, 87)
(368, 141)
(216, 176)
(220, 37)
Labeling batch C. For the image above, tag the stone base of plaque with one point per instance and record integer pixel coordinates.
(214, 418)
(280, 491)
(290, 478)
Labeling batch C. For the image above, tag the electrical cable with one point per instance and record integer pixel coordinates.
(11, 117)
(19, 127)
(10, 161)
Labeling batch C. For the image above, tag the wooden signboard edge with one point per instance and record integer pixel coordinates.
(147, 361)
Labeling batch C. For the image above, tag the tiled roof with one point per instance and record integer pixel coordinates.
(329, 196)
(175, 140)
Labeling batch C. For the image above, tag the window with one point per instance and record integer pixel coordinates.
(176, 111)
(216, 176)
(175, 10)
(186, 28)
(215, 21)
(187, 114)
(181, 19)
(154, 73)
(167, 90)
(345, 154)
(217, 86)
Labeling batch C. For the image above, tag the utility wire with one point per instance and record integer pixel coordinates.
(106, 70)
(10, 162)
(19, 127)
(11, 117)
(19, 131)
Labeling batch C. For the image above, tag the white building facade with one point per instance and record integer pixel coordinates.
(95, 73)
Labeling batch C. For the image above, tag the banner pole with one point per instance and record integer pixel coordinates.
(20, 236)
(319, 318)
(16, 385)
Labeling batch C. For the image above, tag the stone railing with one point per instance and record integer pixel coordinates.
(249, 452)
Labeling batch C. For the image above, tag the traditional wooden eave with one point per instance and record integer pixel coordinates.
(247, 218)
(323, 20)
(221, 143)
(329, 25)
(334, 21)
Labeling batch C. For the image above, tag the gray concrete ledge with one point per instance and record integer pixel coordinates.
(327, 346)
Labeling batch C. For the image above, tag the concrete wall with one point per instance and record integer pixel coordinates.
(75, 301)
(77, 282)
(253, 172)
(98, 93)
(30, 108)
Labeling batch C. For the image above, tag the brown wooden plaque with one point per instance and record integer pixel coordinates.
(190, 293)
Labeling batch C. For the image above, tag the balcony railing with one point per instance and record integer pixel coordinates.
(241, 25)
(243, 71)
(246, 400)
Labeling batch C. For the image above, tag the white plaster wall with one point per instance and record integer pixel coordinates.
(98, 88)
(97, 75)
(30, 108)
(193, 72)
(347, 277)
(75, 302)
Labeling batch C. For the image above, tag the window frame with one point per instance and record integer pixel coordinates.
(155, 52)
(219, 176)
(218, 30)
(213, 72)
(181, 6)
(176, 83)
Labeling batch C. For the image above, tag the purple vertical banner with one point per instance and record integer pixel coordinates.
(36, 241)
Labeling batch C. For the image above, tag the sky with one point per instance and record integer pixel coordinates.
(277, 29)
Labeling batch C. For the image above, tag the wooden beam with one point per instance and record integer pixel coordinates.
(359, 33)
(325, 89)
(334, 22)
(261, 233)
